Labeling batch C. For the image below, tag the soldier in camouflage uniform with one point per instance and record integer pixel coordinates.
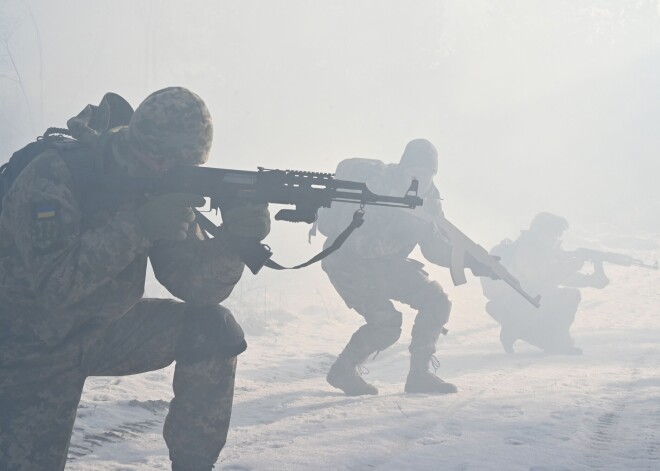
(373, 268)
(72, 274)
(538, 260)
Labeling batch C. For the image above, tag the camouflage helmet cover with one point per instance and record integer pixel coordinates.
(172, 124)
(420, 153)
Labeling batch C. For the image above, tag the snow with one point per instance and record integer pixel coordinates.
(527, 411)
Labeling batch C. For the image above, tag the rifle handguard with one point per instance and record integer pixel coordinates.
(307, 215)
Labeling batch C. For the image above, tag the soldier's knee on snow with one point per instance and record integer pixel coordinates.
(210, 331)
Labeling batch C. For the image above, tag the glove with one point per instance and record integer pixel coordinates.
(168, 216)
(250, 220)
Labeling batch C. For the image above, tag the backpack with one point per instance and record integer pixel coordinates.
(22, 157)
(83, 131)
(331, 221)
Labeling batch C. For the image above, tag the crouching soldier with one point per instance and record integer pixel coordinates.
(74, 246)
(373, 268)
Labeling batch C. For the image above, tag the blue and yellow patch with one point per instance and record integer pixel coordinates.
(46, 231)
(45, 211)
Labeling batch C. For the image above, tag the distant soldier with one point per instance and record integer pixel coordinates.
(373, 268)
(537, 259)
(74, 246)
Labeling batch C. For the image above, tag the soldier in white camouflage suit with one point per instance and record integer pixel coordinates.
(373, 268)
(72, 274)
(539, 261)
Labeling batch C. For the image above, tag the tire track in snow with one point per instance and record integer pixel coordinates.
(612, 432)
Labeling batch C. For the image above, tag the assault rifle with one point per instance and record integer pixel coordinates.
(462, 245)
(306, 191)
(614, 258)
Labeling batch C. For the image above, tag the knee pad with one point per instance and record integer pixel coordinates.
(387, 336)
(388, 330)
(433, 304)
(382, 331)
(210, 331)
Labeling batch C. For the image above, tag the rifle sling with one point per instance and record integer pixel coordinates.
(264, 258)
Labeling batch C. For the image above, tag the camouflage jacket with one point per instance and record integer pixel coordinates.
(66, 268)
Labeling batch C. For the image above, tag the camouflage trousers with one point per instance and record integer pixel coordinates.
(369, 286)
(39, 396)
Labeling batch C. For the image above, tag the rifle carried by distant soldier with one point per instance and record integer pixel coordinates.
(597, 256)
(463, 247)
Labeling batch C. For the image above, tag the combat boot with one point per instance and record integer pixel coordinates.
(421, 380)
(344, 375)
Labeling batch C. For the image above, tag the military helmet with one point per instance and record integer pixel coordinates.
(420, 153)
(172, 124)
(548, 223)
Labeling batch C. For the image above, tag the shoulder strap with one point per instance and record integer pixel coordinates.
(357, 221)
(257, 255)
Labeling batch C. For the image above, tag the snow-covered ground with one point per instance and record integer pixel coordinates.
(528, 411)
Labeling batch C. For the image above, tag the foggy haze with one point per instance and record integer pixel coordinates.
(533, 105)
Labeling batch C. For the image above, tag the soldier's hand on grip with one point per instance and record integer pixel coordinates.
(168, 216)
(249, 220)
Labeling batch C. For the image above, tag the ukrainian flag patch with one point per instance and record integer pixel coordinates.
(45, 211)
(46, 231)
